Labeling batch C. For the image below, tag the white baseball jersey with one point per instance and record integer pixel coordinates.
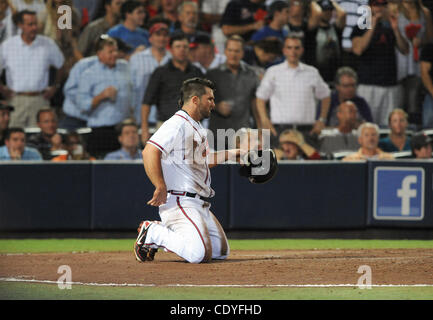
(188, 228)
(184, 146)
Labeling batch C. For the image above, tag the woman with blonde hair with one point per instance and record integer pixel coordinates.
(397, 140)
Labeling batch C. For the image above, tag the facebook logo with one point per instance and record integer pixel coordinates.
(398, 193)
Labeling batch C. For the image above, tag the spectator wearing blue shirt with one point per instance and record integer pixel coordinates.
(15, 148)
(346, 81)
(75, 117)
(397, 140)
(133, 14)
(129, 140)
(105, 94)
(279, 15)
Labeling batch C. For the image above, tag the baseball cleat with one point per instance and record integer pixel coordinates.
(142, 251)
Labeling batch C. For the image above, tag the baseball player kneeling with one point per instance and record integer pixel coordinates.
(177, 161)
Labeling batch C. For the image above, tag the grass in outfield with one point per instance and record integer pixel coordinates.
(112, 245)
(30, 291)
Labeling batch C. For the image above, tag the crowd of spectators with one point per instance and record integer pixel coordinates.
(326, 77)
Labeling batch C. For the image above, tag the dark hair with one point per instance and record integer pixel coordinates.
(194, 87)
(178, 36)
(11, 130)
(123, 46)
(70, 135)
(158, 19)
(125, 123)
(274, 46)
(45, 109)
(102, 41)
(128, 7)
(279, 6)
(19, 16)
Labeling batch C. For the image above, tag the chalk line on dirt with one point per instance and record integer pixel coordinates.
(210, 285)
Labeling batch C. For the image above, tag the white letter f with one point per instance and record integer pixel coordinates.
(405, 193)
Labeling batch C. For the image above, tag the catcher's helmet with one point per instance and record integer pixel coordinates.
(260, 166)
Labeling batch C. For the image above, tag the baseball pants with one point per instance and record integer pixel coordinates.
(189, 229)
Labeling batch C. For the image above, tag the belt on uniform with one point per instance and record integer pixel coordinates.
(188, 194)
(29, 94)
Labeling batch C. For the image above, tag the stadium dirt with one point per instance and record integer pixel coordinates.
(283, 267)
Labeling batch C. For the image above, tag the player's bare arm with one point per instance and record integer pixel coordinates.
(152, 166)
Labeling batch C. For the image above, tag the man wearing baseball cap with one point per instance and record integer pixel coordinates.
(421, 145)
(5, 111)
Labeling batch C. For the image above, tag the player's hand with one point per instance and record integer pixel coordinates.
(159, 197)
